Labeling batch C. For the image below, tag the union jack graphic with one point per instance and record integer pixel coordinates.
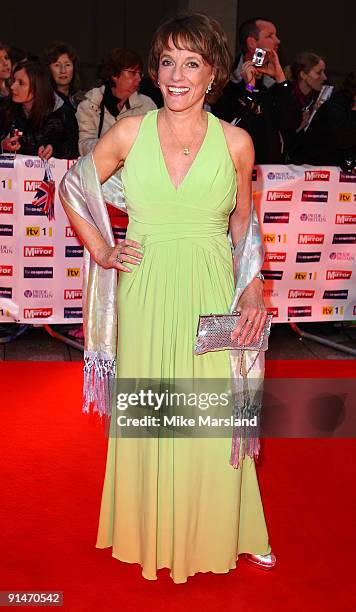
(44, 195)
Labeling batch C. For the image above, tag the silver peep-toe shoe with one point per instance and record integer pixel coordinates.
(265, 562)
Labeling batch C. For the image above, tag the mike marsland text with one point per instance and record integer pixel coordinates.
(181, 421)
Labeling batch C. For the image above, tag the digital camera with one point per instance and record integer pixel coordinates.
(348, 165)
(258, 57)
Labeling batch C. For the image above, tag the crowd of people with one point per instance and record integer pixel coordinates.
(44, 110)
(292, 113)
(181, 500)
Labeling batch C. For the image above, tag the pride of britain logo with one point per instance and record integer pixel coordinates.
(38, 163)
(280, 176)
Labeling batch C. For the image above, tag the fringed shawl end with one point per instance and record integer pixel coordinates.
(99, 376)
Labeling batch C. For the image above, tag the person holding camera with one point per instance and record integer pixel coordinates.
(255, 33)
(258, 97)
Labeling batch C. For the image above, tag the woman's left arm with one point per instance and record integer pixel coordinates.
(251, 304)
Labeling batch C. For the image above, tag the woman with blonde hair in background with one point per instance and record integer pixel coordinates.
(308, 77)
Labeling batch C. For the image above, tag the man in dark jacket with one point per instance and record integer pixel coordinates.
(259, 98)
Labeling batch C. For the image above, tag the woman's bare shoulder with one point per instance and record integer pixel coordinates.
(116, 143)
(114, 146)
(235, 136)
(240, 145)
(127, 128)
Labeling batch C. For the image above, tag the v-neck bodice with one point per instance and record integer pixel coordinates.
(202, 203)
(195, 159)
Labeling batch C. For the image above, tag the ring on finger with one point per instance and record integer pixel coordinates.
(119, 258)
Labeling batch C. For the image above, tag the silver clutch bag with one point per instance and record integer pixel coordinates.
(214, 334)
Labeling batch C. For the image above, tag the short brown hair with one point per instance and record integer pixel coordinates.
(118, 60)
(52, 54)
(200, 34)
(250, 28)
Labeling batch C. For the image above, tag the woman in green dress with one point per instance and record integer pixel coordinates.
(176, 502)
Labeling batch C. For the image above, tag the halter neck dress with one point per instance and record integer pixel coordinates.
(167, 501)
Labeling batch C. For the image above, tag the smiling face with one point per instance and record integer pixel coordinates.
(183, 78)
(21, 89)
(5, 65)
(62, 70)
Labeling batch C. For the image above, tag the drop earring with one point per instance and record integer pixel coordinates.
(208, 89)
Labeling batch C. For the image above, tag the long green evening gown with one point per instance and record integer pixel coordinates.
(177, 502)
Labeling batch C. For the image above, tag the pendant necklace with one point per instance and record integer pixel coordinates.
(185, 149)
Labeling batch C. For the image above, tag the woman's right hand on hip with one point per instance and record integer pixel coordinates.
(128, 251)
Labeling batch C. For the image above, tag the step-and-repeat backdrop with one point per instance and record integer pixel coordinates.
(307, 216)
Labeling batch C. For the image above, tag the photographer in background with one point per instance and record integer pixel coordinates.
(258, 97)
(264, 35)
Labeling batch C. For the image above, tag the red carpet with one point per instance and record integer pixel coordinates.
(52, 468)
